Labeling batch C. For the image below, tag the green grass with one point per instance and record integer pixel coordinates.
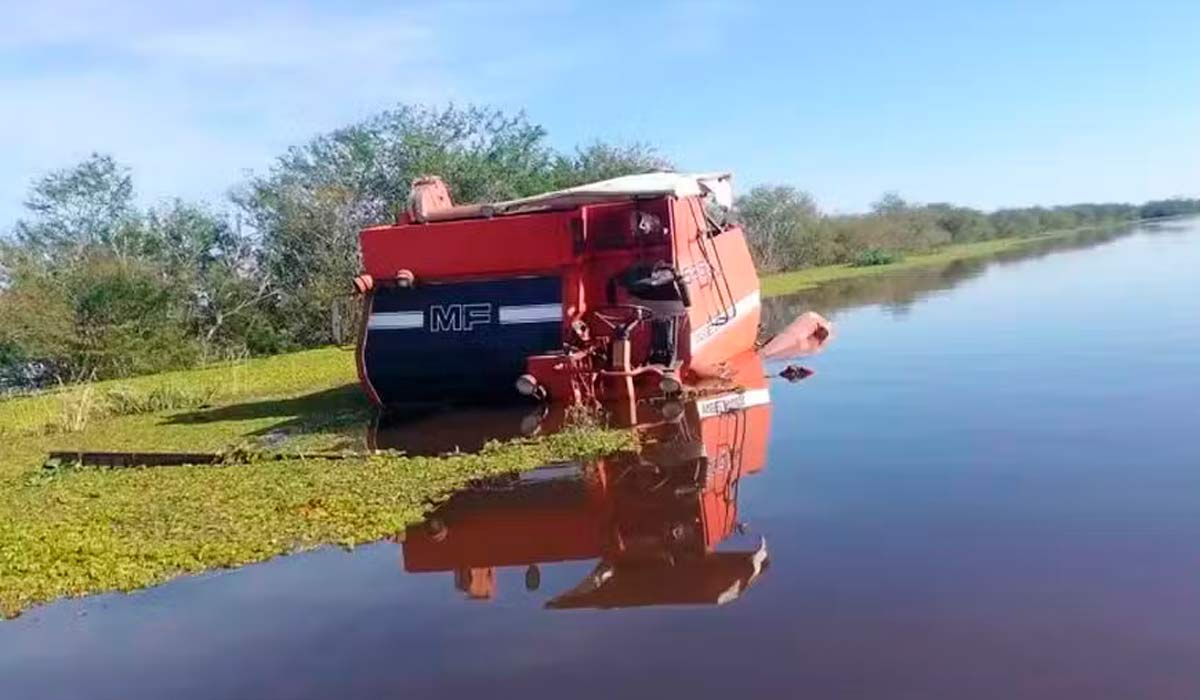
(808, 278)
(281, 375)
(79, 531)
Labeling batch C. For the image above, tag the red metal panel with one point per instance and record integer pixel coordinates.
(723, 285)
(470, 248)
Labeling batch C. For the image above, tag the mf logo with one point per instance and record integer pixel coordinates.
(458, 317)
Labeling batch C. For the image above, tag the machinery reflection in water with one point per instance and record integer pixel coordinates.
(653, 519)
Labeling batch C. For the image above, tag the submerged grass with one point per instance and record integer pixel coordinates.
(74, 532)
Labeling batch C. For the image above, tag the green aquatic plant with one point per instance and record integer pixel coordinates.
(74, 531)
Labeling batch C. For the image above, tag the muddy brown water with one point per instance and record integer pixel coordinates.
(990, 489)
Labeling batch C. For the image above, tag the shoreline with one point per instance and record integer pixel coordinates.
(793, 281)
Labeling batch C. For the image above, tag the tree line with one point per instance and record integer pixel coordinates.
(787, 230)
(94, 286)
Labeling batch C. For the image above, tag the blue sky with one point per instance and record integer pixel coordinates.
(987, 104)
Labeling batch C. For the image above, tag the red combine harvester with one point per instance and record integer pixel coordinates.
(621, 288)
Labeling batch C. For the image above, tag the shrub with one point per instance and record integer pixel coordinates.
(124, 401)
(78, 408)
(876, 256)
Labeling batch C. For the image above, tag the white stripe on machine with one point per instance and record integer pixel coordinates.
(708, 331)
(396, 320)
(530, 313)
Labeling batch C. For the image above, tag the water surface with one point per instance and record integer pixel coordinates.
(990, 489)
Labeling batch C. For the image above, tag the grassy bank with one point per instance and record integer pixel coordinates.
(800, 280)
(73, 532)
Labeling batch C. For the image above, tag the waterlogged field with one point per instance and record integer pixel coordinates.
(76, 531)
(987, 490)
(83, 531)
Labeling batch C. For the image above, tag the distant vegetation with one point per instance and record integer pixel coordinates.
(788, 231)
(92, 286)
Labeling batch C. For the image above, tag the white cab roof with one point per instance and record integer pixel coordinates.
(647, 185)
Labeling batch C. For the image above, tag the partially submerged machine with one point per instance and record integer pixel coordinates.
(625, 287)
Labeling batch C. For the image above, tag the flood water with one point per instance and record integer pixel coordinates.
(989, 489)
